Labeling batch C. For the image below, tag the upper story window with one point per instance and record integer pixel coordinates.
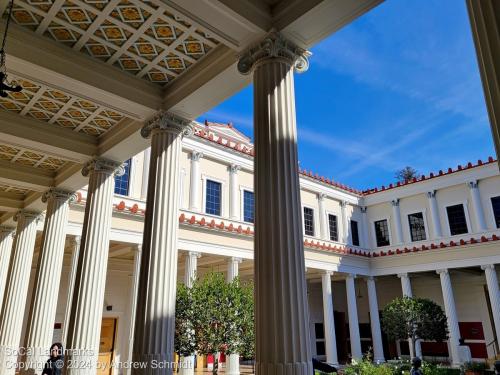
(332, 224)
(122, 182)
(456, 219)
(213, 198)
(308, 221)
(417, 226)
(354, 233)
(248, 206)
(382, 233)
(495, 202)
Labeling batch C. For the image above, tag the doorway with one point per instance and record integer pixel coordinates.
(107, 346)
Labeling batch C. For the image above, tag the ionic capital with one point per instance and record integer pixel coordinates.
(431, 194)
(274, 46)
(58, 194)
(343, 204)
(403, 275)
(473, 184)
(233, 260)
(193, 254)
(234, 168)
(102, 165)
(395, 202)
(488, 266)
(363, 209)
(321, 196)
(442, 271)
(9, 230)
(75, 241)
(351, 276)
(370, 278)
(29, 215)
(196, 155)
(169, 122)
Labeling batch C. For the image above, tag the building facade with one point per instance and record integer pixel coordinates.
(435, 237)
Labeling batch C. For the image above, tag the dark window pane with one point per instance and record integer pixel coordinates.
(495, 202)
(456, 218)
(417, 227)
(213, 198)
(122, 182)
(318, 330)
(355, 233)
(320, 348)
(248, 206)
(309, 221)
(334, 232)
(382, 233)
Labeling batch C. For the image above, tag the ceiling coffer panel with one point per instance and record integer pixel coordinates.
(144, 38)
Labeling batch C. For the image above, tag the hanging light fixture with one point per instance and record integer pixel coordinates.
(5, 85)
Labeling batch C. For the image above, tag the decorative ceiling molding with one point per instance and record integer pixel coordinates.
(53, 106)
(30, 158)
(145, 38)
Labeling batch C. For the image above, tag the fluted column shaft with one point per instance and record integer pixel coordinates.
(477, 206)
(366, 236)
(234, 211)
(396, 214)
(492, 281)
(436, 222)
(345, 238)
(47, 278)
(451, 315)
(71, 286)
(328, 318)
(323, 226)
(88, 295)
(145, 169)
(191, 268)
(281, 312)
(195, 181)
(378, 348)
(16, 290)
(155, 313)
(352, 311)
(6, 239)
(233, 264)
(133, 301)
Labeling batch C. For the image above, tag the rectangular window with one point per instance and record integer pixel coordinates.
(417, 226)
(213, 198)
(308, 221)
(122, 182)
(334, 231)
(382, 233)
(456, 218)
(355, 233)
(495, 202)
(320, 339)
(248, 206)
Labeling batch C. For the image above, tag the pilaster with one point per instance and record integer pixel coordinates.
(477, 206)
(234, 194)
(396, 213)
(436, 222)
(195, 182)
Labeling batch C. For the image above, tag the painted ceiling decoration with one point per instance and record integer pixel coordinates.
(30, 158)
(13, 189)
(47, 104)
(145, 38)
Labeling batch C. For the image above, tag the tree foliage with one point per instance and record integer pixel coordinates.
(184, 339)
(414, 318)
(406, 174)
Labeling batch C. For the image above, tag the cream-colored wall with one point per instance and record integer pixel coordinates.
(488, 188)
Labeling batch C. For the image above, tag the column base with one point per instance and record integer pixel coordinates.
(290, 368)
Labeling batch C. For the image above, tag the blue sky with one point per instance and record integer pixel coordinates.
(399, 86)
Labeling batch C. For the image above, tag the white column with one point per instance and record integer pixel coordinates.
(329, 320)
(195, 182)
(323, 225)
(6, 237)
(233, 264)
(451, 315)
(42, 314)
(436, 222)
(366, 235)
(492, 281)
(396, 214)
(71, 286)
(352, 311)
(233, 359)
(282, 334)
(477, 206)
(155, 313)
(407, 292)
(16, 290)
(145, 169)
(234, 193)
(191, 265)
(88, 296)
(346, 238)
(378, 348)
(133, 301)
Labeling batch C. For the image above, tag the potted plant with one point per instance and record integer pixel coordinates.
(474, 368)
